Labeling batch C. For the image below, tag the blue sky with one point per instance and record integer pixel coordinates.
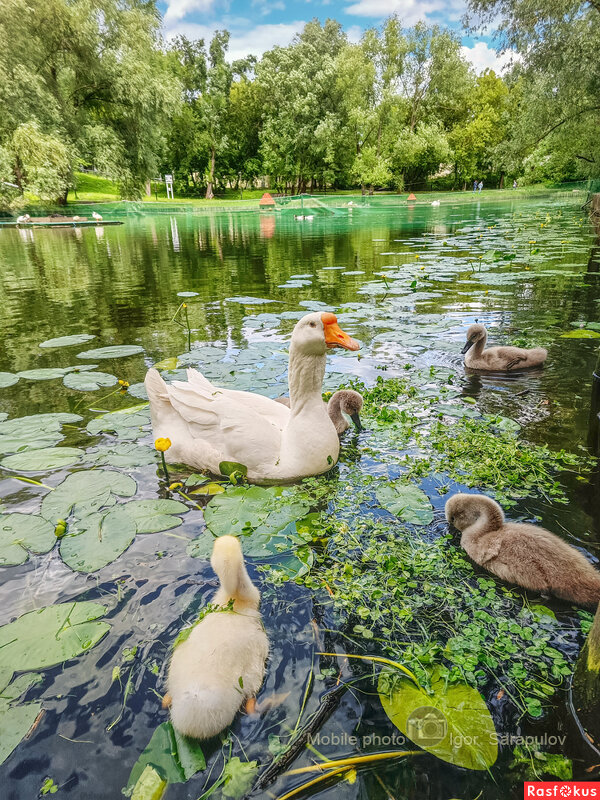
(258, 25)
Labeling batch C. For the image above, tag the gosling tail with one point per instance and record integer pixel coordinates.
(586, 592)
(203, 712)
(538, 355)
(227, 561)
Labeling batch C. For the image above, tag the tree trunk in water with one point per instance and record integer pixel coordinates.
(363, 189)
(209, 186)
(501, 181)
(62, 200)
(586, 682)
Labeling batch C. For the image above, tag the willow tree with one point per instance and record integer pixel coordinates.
(557, 42)
(93, 77)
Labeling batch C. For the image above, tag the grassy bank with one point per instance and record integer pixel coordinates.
(93, 188)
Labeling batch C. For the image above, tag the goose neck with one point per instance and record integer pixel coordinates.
(305, 379)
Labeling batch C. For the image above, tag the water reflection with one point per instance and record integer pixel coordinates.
(121, 283)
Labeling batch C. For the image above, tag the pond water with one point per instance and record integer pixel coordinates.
(405, 282)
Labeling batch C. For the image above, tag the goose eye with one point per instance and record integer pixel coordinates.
(313, 324)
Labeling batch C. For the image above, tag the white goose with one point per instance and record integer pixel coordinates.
(208, 425)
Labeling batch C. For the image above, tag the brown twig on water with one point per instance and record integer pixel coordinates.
(278, 766)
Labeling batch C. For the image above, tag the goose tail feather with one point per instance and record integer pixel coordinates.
(156, 387)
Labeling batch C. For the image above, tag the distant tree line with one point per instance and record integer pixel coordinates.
(93, 85)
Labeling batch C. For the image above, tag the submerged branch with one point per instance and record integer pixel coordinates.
(279, 766)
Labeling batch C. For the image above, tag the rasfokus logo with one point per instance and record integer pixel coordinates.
(560, 789)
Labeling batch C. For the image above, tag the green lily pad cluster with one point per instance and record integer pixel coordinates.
(268, 521)
(98, 527)
(33, 432)
(35, 641)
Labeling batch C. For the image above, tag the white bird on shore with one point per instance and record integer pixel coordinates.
(97, 216)
(435, 203)
(24, 218)
(76, 219)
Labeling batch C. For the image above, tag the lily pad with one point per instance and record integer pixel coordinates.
(126, 424)
(20, 424)
(85, 493)
(450, 410)
(453, 722)
(42, 374)
(88, 381)
(114, 351)
(406, 501)
(187, 294)
(244, 509)
(167, 363)
(43, 460)
(149, 786)
(122, 454)
(51, 635)
(21, 534)
(174, 757)
(7, 379)
(239, 777)
(33, 432)
(265, 519)
(153, 516)
(249, 301)
(66, 341)
(138, 390)
(97, 540)
(18, 687)
(581, 333)
(15, 722)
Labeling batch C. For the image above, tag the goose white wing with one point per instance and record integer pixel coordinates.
(276, 413)
(237, 431)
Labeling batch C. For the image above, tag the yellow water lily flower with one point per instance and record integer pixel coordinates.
(162, 445)
(124, 384)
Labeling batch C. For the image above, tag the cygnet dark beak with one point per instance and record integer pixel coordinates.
(468, 346)
(356, 420)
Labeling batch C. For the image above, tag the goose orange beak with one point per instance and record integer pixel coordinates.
(334, 335)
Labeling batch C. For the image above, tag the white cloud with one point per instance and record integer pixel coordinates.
(178, 9)
(265, 7)
(254, 41)
(409, 11)
(354, 34)
(483, 57)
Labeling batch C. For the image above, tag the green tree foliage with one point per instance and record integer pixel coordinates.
(241, 157)
(558, 42)
(477, 140)
(89, 82)
(371, 169)
(214, 104)
(422, 86)
(300, 136)
(82, 81)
